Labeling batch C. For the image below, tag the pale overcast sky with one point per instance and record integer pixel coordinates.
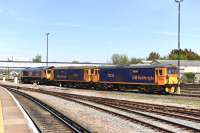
(92, 30)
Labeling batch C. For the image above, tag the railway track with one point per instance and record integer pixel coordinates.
(43, 120)
(127, 109)
(131, 109)
(56, 122)
(149, 125)
(146, 108)
(134, 108)
(194, 92)
(190, 90)
(185, 92)
(192, 86)
(189, 95)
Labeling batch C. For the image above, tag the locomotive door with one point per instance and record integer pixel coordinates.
(49, 74)
(159, 76)
(95, 75)
(87, 75)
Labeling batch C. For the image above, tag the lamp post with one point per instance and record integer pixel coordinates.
(179, 27)
(47, 34)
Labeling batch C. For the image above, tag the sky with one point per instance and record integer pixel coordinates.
(93, 30)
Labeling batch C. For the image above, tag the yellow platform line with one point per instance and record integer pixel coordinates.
(1, 120)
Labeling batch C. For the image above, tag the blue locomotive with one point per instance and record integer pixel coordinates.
(32, 75)
(149, 78)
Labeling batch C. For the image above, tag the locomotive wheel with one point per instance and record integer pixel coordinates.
(170, 90)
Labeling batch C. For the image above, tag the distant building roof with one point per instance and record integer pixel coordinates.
(175, 62)
(26, 64)
(146, 62)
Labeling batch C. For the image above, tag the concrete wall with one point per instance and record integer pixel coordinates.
(192, 69)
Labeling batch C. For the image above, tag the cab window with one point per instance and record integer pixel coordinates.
(171, 71)
(156, 72)
(92, 71)
(48, 71)
(86, 71)
(160, 72)
(174, 70)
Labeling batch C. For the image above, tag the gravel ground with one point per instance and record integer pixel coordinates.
(185, 122)
(188, 102)
(177, 101)
(105, 122)
(154, 122)
(92, 119)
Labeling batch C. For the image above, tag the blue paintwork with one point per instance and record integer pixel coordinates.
(32, 72)
(130, 75)
(69, 74)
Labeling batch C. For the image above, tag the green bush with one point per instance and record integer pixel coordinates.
(188, 77)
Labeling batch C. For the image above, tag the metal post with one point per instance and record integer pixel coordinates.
(179, 47)
(179, 75)
(47, 58)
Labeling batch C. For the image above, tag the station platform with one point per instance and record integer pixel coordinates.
(13, 119)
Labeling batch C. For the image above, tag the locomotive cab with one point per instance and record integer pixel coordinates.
(171, 80)
(49, 74)
(168, 78)
(160, 76)
(172, 77)
(91, 75)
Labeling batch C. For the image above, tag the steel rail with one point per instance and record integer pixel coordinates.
(68, 122)
(154, 127)
(143, 114)
(145, 109)
(155, 106)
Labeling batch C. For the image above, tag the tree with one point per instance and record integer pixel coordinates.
(188, 77)
(153, 56)
(120, 59)
(75, 61)
(186, 54)
(37, 58)
(135, 60)
(164, 58)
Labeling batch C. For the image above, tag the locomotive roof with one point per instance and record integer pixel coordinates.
(140, 66)
(75, 67)
(116, 66)
(85, 67)
(36, 68)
